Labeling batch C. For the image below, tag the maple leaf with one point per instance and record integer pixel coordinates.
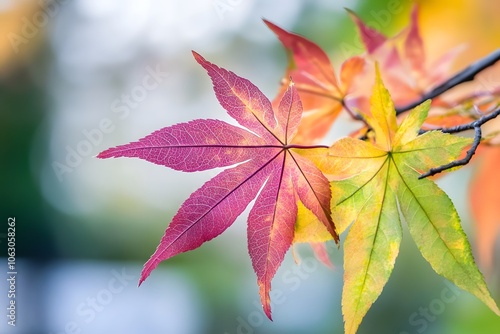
(403, 60)
(374, 185)
(484, 199)
(323, 96)
(264, 161)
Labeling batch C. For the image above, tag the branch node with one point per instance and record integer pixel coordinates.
(459, 162)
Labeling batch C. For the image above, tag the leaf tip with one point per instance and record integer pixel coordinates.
(149, 266)
(104, 154)
(321, 254)
(350, 11)
(274, 28)
(426, 103)
(143, 277)
(357, 20)
(379, 83)
(265, 299)
(377, 72)
(414, 11)
(197, 57)
(195, 54)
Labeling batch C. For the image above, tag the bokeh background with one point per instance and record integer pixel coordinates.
(77, 77)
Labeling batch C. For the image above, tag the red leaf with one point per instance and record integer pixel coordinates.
(371, 38)
(194, 146)
(271, 226)
(242, 100)
(321, 254)
(403, 62)
(310, 63)
(208, 212)
(265, 161)
(413, 45)
(322, 96)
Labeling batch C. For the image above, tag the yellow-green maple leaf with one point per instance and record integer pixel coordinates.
(375, 185)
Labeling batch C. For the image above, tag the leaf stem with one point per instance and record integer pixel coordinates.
(354, 115)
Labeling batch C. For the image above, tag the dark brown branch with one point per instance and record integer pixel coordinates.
(476, 125)
(472, 125)
(468, 126)
(465, 75)
(460, 162)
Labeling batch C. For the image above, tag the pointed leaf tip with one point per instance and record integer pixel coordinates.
(371, 38)
(143, 277)
(198, 57)
(243, 101)
(148, 267)
(350, 11)
(265, 299)
(378, 76)
(272, 26)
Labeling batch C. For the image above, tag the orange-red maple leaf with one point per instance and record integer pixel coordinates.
(323, 95)
(485, 203)
(403, 62)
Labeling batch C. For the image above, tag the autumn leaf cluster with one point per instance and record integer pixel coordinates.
(364, 186)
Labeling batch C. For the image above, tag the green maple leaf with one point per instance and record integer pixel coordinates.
(374, 185)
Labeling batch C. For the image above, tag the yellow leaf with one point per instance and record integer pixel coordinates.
(309, 228)
(373, 184)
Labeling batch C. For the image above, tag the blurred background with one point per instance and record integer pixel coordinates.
(77, 77)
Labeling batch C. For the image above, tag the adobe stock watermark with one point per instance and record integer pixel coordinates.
(11, 272)
(222, 7)
(292, 279)
(89, 309)
(121, 107)
(31, 26)
(422, 318)
(379, 19)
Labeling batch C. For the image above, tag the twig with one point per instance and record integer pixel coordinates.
(472, 125)
(460, 162)
(476, 125)
(465, 75)
(354, 115)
